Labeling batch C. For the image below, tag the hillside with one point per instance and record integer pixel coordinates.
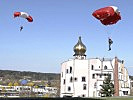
(17, 75)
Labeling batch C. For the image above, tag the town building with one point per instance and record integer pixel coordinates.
(19, 91)
(82, 77)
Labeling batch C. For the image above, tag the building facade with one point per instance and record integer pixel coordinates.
(82, 77)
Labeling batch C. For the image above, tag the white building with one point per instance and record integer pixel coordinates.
(81, 77)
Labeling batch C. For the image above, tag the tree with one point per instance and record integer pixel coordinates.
(107, 87)
(10, 84)
(16, 84)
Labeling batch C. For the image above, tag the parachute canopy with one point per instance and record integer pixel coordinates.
(23, 15)
(107, 15)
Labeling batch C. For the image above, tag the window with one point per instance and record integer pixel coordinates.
(93, 76)
(100, 76)
(105, 74)
(83, 95)
(64, 81)
(82, 57)
(105, 67)
(62, 74)
(83, 79)
(71, 79)
(95, 85)
(75, 79)
(70, 69)
(109, 75)
(84, 86)
(125, 92)
(69, 88)
(99, 94)
(92, 67)
(66, 70)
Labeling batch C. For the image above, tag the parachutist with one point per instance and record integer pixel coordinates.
(21, 28)
(110, 42)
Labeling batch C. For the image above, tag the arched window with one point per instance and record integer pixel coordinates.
(69, 88)
(93, 76)
(84, 86)
(105, 67)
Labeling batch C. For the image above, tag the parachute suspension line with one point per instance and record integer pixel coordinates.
(20, 27)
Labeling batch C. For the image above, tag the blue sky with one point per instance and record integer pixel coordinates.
(48, 41)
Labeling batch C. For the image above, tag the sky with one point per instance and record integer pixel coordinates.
(57, 24)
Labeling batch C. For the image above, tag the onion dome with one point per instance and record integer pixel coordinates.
(79, 48)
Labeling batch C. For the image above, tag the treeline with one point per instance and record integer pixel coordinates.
(16, 75)
(131, 77)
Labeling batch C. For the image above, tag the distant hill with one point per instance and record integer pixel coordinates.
(16, 75)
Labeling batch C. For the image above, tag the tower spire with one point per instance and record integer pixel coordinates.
(79, 49)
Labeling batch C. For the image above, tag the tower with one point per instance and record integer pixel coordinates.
(74, 73)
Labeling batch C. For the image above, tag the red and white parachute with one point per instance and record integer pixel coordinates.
(23, 15)
(107, 15)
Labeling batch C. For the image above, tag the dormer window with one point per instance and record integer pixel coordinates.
(105, 67)
(93, 76)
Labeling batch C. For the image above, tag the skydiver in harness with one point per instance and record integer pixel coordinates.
(21, 27)
(110, 42)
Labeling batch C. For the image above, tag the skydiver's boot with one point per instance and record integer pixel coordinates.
(109, 48)
(21, 28)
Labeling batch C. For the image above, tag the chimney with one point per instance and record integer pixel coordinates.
(116, 80)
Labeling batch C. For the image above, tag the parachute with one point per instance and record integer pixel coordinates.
(107, 15)
(23, 15)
